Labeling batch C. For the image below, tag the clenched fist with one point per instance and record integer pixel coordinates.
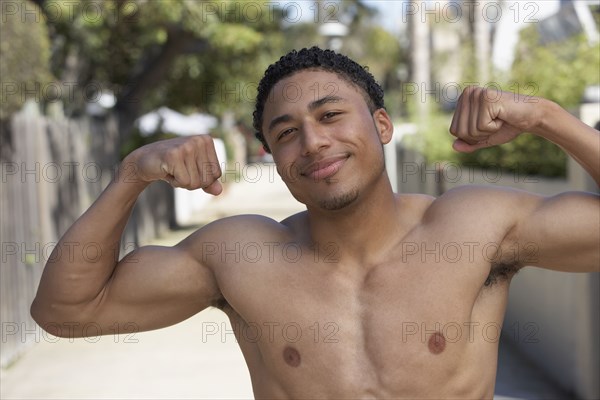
(487, 117)
(188, 162)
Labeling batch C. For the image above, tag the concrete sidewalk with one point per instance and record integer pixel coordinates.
(187, 361)
(198, 358)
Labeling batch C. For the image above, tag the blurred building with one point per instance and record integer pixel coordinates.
(441, 34)
(553, 317)
(564, 307)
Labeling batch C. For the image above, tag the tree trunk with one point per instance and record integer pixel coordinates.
(129, 105)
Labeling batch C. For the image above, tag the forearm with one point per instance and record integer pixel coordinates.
(85, 257)
(84, 280)
(581, 141)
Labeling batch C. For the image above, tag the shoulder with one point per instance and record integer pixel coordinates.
(237, 249)
(477, 204)
(484, 197)
(236, 228)
(415, 204)
(235, 232)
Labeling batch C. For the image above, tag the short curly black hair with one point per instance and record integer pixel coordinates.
(315, 58)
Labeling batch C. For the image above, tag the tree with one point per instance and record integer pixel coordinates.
(558, 71)
(152, 53)
(24, 56)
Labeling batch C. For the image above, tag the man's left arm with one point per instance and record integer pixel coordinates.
(560, 232)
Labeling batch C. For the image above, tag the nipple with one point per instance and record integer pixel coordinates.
(436, 343)
(291, 356)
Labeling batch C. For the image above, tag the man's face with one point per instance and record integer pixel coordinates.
(326, 143)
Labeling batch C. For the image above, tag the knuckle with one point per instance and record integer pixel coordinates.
(483, 127)
(210, 144)
(189, 147)
(194, 182)
(172, 154)
(218, 172)
(200, 140)
(184, 181)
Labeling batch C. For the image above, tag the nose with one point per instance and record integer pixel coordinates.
(314, 138)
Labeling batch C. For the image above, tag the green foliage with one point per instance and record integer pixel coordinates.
(433, 140)
(213, 53)
(24, 57)
(558, 71)
(101, 49)
(210, 44)
(595, 9)
(380, 51)
(526, 155)
(300, 35)
(224, 77)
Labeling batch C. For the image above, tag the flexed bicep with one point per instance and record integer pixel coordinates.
(160, 286)
(150, 288)
(560, 232)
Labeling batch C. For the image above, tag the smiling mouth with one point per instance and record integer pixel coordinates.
(324, 169)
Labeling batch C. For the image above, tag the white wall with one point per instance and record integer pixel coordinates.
(189, 202)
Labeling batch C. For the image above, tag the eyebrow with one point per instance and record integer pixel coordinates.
(311, 107)
(324, 100)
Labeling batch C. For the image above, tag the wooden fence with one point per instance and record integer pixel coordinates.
(52, 170)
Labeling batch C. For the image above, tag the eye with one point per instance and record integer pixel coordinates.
(330, 114)
(285, 133)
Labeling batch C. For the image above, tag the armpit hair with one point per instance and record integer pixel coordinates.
(501, 272)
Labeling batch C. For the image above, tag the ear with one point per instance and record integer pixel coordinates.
(384, 125)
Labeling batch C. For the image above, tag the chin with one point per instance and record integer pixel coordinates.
(339, 201)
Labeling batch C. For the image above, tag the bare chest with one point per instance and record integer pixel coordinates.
(371, 327)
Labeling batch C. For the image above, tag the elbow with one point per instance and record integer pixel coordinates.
(42, 315)
(36, 312)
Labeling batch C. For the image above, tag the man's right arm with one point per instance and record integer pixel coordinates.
(83, 281)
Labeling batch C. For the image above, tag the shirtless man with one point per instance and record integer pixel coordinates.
(361, 304)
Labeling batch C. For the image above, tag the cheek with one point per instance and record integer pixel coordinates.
(366, 136)
(286, 169)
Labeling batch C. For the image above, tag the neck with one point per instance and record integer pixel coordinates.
(363, 230)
